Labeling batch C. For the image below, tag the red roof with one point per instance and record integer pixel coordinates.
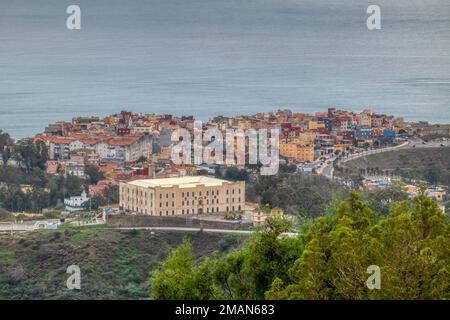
(90, 141)
(61, 140)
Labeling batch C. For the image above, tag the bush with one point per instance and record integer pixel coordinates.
(52, 214)
(5, 215)
(15, 275)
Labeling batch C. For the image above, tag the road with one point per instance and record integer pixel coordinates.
(419, 143)
(327, 169)
(16, 227)
(375, 151)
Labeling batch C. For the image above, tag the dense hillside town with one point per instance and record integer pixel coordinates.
(118, 142)
(127, 146)
(95, 180)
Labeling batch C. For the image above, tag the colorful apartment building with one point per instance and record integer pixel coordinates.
(297, 151)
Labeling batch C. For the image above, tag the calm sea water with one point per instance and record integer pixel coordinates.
(210, 57)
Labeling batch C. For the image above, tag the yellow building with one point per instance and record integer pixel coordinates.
(305, 138)
(182, 196)
(314, 125)
(365, 118)
(297, 151)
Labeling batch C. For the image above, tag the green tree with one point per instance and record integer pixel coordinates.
(111, 194)
(380, 200)
(6, 144)
(326, 260)
(30, 154)
(94, 174)
(5, 215)
(39, 199)
(72, 186)
(179, 277)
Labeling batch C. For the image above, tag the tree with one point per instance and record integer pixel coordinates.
(410, 246)
(380, 200)
(72, 186)
(245, 274)
(276, 291)
(95, 202)
(30, 154)
(232, 173)
(4, 214)
(111, 194)
(39, 199)
(5, 146)
(328, 259)
(297, 194)
(179, 278)
(94, 174)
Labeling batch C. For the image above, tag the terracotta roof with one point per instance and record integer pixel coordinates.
(113, 142)
(90, 141)
(108, 167)
(60, 140)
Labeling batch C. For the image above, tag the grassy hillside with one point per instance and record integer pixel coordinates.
(298, 194)
(430, 164)
(114, 264)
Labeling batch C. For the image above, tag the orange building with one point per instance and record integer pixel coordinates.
(297, 151)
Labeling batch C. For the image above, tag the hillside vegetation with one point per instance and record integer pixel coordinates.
(298, 194)
(330, 259)
(114, 264)
(429, 164)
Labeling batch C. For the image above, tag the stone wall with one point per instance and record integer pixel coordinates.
(126, 221)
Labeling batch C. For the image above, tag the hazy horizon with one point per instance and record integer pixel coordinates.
(212, 57)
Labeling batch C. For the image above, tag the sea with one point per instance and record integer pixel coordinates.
(221, 57)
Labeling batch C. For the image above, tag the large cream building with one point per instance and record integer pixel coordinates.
(181, 196)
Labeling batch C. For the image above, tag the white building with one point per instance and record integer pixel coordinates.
(112, 148)
(76, 203)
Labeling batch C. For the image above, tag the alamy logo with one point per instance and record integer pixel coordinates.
(374, 20)
(239, 147)
(73, 22)
(74, 281)
(374, 281)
